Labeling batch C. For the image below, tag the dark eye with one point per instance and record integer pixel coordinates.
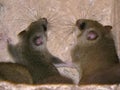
(44, 27)
(82, 25)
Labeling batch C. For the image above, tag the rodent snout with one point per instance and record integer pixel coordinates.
(44, 23)
(81, 24)
(43, 20)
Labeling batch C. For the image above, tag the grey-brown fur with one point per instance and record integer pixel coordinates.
(15, 73)
(94, 52)
(32, 52)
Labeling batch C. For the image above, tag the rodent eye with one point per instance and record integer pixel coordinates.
(82, 25)
(44, 27)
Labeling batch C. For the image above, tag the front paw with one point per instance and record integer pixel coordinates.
(9, 41)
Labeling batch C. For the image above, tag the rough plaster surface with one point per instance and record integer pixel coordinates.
(9, 86)
(16, 15)
(116, 24)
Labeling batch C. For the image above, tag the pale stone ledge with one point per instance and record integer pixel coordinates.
(10, 86)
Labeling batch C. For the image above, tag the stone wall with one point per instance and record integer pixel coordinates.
(9, 86)
(116, 25)
(16, 15)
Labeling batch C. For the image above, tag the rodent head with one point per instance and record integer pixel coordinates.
(94, 48)
(91, 31)
(35, 36)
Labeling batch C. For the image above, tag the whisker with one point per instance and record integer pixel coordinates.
(56, 35)
(50, 16)
(83, 14)
(21, 20)
(28, 16)
(69, 32)
(5, 30)
(89, 9)
(38, 12)
(53, 17)
(67, 27)
(115, 24)
(31, 12)
(100, 19)
(70, 24)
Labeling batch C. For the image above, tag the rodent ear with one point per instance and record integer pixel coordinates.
(108, 28)
(22, 33)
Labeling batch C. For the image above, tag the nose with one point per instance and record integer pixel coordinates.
(81, 24)
(43, 20)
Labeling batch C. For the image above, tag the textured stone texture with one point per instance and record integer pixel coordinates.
(116, 24)
(16, 15)
(70, 72)
(9, 86)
